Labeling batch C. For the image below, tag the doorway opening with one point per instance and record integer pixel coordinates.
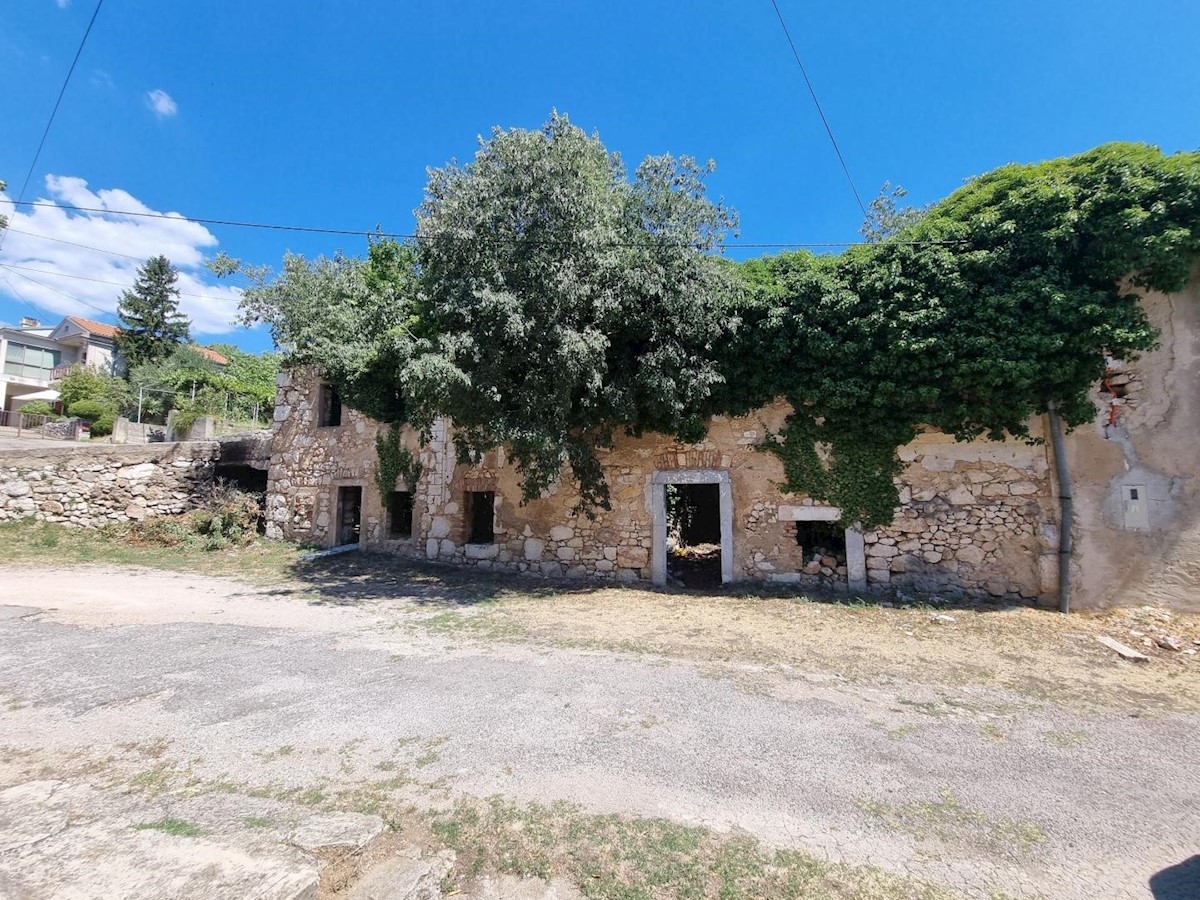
(694, 534)
(349, 514)
(480, 515)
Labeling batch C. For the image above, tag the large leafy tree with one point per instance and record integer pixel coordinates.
(354, 318)
(151, 323)
(562, 300)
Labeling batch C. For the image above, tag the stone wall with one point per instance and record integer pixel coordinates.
(91, 485)
(976, 518)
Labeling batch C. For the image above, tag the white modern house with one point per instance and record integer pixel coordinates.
(34, 355)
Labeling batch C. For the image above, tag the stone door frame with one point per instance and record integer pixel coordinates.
(658, 517)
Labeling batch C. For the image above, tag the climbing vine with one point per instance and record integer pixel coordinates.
(394, 461)
(550, 300)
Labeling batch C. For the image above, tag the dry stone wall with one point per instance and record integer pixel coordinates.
(976, 518)
(92, 485)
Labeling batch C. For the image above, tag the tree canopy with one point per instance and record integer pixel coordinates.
(550, 299)
(151, 323)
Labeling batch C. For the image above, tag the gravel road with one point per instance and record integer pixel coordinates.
(107, 675)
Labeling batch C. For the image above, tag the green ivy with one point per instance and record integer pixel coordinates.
(394, 461)
(551, 300)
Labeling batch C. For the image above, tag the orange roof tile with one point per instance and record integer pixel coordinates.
(97, 328)
(213, 356)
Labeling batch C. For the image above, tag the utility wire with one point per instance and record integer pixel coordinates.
(499, 239)
(54, 112)
(46, 237)
(120, 284)
(48, 287)
(817, 103)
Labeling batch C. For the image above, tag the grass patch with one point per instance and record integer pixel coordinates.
(1067, 739)
(992, 732)
(948, 821)
(626, 858)
(898, 733)
(49, 544)
(257, 822)
(173, 827)
(277, 753)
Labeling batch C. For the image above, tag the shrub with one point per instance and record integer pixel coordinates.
(103, 426)
(37, 408)
(88, 410)
(225, 517)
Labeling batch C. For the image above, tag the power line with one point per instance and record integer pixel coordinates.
(57, 103)
(46, 237)
(119, 284)
(817, 103)
(351, 232)
(49, 288)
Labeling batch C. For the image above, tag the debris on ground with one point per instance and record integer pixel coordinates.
(942, 619)
(1167, 642)
(1122, 650)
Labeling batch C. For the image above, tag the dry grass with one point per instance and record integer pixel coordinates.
(1035, 653)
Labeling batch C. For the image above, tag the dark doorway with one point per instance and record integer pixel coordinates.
(694, 534)
(400, 514)
(480, 517)
(349, 515)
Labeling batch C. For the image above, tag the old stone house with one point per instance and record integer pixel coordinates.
(978, 518)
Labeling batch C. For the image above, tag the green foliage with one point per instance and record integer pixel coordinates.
(232, 392)
(86, 383)
(563, 300)
(974, 336)
(37, 408)
(103, 426)
(550, 300)
(394, 461)
(225, 517)
(355, 318)
(88, 410)
(151, 323)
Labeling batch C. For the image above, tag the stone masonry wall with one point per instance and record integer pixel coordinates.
(92, 485)
(976, 517)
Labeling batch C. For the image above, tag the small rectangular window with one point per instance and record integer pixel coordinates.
(329, 407)
(480, 517)
(400, 514)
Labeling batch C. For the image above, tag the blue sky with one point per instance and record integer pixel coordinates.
(328, 113)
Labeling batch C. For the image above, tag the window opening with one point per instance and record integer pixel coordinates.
(822, 542)
(330, 410)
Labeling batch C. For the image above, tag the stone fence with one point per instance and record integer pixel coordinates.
(93, 485)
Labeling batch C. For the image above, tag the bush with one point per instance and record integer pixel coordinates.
(103, 426)
(89, 410)
(226, 517)
(37, 408)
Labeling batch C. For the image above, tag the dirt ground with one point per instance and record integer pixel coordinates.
(614, 743)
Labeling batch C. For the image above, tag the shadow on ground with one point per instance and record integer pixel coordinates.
(352, 578)
(1180, 882)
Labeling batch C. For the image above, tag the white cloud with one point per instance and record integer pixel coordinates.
(162, 103)
(63, 4)
(211, 307)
